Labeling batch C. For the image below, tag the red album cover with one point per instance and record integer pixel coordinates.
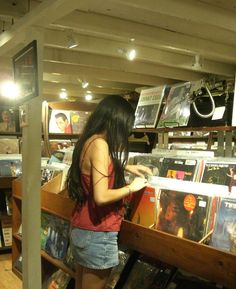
(144, 210)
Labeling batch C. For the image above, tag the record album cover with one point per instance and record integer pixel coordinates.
(54, 235)
(183, 214)
(176, 110)
(181, 169)
(142, 274)
(78, 120)
(224, 234)
(220, 173)
(144, 211)
(147, 110)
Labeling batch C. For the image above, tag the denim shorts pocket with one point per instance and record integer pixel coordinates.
(80, 238)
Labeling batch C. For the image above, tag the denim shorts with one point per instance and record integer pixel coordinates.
(95, 250)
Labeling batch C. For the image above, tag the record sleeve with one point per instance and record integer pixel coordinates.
(78, 120)
(144, 211)
(220, 173)
(142, 274)
(183, 214)
(176, 109)
(178, 168)
(224, 234)
(60, 122)
(54, 235)
(147, 110)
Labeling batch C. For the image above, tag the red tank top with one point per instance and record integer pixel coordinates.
(89, 216)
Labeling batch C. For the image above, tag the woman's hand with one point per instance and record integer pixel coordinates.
(53, 285)
(139, 170)
(138, 184)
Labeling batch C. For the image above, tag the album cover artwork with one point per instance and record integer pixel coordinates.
(224, 234)
(144, 211)
(78, 120)
(176, 110)
(147, 110)
(181, 169)
(184, 215)
(10, 167)
(220, 173)
(7, 120)
(60, 122)
(9, 146)
(54, 235)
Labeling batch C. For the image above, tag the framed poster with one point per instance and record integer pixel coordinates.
(25, 69)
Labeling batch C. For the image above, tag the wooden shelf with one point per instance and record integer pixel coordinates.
(53, 201)
(57, 263)
(6, 182)
(199, 259)
(169, 129)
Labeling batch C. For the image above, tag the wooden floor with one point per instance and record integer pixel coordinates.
(8, 280)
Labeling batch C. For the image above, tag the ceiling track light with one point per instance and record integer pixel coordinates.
(197, 62)
(71, 41)
(129, 53)
(63, 94)
(88, 97)
(84, 84)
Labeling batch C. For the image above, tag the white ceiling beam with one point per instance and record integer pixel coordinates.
(75, 89)
(110, 47)
(95, 82)
(188, 10)
(42, 15)
(123, 30)
(170, 15)
(105, 74)
(119, 64)
(8, 9)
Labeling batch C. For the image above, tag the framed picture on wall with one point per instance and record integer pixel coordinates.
(25, 69)
(8, 120)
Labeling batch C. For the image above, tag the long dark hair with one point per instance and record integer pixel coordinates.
(114, 116)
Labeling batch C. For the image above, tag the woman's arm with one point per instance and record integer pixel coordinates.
(138, 170)
(100, 160)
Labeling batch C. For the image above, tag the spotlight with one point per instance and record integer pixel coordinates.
(63, 94)
(9, 90)
(71, 42)
(197, 62)
(84, 84)
(131, 54)
(88, 97)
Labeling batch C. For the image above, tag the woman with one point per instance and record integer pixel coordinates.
(96, 181)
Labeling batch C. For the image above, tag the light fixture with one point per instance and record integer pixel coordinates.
(9, 89)
(63, 94)
(197, 62)
(84, 83)
(88, 97)
(129, 53)
(71, 41)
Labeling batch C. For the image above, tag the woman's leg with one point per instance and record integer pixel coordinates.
(90, 278)
(78, 277)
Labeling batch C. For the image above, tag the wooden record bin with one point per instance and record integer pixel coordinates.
(199, 259)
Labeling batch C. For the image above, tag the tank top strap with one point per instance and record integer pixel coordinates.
(82, 160)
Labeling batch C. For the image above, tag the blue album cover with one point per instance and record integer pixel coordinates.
(10, 167)
(224, 234)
